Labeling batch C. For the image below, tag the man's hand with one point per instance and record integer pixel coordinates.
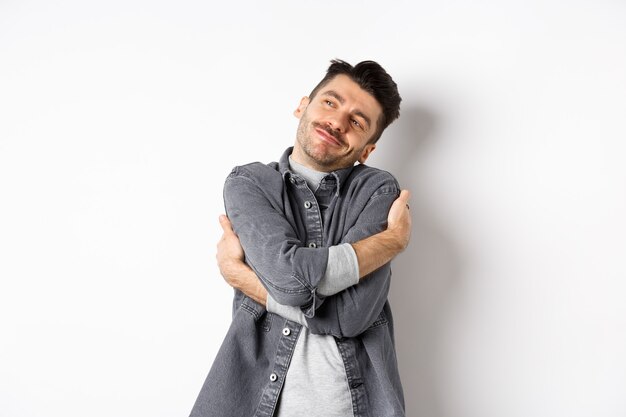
(230, 260)
(229, 251)
(399, 219)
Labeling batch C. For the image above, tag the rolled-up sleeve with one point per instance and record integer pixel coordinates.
(342, 272)
(288, 269)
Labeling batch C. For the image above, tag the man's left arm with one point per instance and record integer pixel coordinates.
(380, 233)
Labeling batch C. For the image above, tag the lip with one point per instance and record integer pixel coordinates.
(327, 137)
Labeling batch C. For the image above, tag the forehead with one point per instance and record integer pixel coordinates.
(354, 96)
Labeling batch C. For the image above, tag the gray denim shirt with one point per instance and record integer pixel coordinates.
(277, 219)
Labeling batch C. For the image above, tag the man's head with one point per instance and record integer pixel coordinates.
(372, 78)
(345, 115)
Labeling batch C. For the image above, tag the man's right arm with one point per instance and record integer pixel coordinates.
(286, 266)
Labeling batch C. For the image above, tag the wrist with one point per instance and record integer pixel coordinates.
(232, 271)
(394, 240)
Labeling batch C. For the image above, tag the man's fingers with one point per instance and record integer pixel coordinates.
(225, 223)
(399, 205)
(404, 197)
(399, 209)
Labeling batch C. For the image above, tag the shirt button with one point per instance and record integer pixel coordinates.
(307, 204)
(273, 377)
(312, 245)
(286, 331)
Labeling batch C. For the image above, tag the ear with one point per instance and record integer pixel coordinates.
(369, 148)
(304, 102)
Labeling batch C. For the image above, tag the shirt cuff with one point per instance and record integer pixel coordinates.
(288, 312)
(342, 270)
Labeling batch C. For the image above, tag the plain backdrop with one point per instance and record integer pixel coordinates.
(119, 121)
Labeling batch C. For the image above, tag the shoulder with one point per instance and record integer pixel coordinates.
(266, 177)
(372, 181)
(257, 172)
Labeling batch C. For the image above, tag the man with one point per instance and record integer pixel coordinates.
(308, 254)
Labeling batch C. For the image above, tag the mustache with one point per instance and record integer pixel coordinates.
(330, 131)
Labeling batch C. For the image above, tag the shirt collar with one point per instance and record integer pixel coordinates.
(283, 167)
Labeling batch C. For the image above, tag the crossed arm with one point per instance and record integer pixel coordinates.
(351, 311)
(372, 252)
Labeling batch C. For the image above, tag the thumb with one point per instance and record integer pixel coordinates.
(404, 196)
(225, 223)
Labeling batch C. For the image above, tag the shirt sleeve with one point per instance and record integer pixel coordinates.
(288, 269)
(342, 272)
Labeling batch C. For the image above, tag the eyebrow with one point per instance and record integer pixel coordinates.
(341, 100)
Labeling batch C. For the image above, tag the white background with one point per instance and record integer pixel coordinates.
(119, 121)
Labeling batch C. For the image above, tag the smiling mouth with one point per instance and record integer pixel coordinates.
(327, 136)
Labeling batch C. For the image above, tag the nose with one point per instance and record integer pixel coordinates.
(338, 122)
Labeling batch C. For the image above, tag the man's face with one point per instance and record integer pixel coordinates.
(336, 126)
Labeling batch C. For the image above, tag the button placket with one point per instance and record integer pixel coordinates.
(312, 217)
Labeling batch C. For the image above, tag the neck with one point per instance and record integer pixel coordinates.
(303, 159)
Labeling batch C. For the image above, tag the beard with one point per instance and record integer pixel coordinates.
(325, 157)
